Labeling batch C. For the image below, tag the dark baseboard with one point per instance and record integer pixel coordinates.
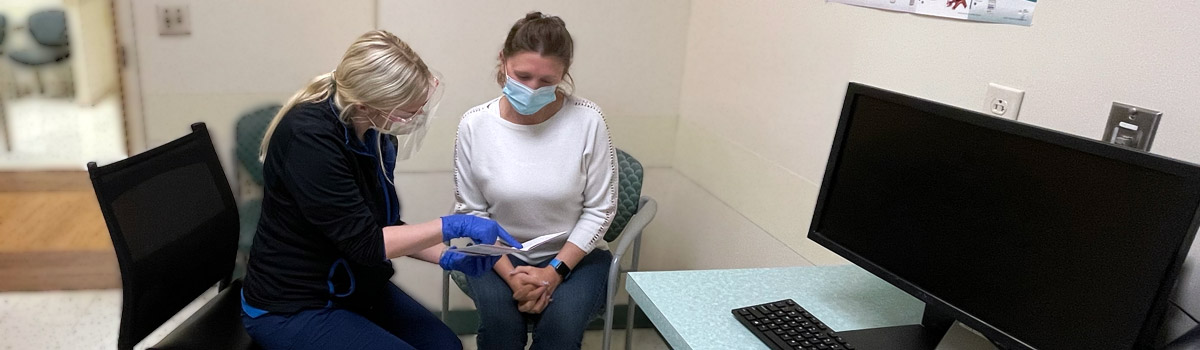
(36, 271)
(465, 322)
(25, 181)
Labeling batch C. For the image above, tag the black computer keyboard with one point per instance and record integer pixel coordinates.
(785, 325)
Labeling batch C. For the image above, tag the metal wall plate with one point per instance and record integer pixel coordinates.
(1131, 126)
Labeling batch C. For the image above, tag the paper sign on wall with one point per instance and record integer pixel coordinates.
(1019, 12)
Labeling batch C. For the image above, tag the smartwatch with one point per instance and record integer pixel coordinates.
(560, 267)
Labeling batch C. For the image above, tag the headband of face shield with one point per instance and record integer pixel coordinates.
(408, 127)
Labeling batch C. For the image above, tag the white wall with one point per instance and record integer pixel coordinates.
(628, 59)
(130, 85)
(741, 98)
(764, 83)
(240, 55)
(93, 49)
(243, 55)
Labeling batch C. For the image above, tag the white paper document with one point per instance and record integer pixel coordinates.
(496, 249)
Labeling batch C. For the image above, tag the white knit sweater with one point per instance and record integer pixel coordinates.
(559, 175)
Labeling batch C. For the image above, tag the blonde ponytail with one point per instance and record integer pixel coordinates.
(378, 70)
(317, 90)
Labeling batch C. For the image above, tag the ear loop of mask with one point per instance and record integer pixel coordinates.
(383, 170)
(379, 149)
(379, 152)
(378, 135)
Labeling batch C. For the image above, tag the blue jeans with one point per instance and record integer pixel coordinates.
(395, 322)
(575, 303)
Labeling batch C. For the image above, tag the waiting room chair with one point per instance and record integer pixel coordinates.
(634, 212)
(3, 31)
(174, 226)
(49, 31)
(249, 177)
(4, 89)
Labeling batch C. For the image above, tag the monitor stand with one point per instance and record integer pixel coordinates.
(961, 337)
(924, 336)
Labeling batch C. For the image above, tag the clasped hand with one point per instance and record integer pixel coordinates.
(533, 287)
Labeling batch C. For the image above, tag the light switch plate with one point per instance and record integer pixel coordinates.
(1003, 101)
(1131, 126)
(174, 20)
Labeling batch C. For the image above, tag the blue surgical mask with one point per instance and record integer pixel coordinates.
(525, 100)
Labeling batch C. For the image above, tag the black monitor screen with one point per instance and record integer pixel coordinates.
(1054, 241)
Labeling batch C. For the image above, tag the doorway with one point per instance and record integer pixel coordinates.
(62, 105)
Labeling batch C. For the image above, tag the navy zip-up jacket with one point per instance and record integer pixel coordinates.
(319, 240)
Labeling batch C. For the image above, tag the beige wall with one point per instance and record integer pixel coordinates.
(240, 55)
(628, 59)
(93, 49)
(739, 98)
(762, 90)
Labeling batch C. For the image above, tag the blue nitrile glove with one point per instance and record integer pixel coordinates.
(480, 230)
(472, 265)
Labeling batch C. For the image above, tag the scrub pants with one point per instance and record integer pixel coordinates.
(560, 326)
(395, 322)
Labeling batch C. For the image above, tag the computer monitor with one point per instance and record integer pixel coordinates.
(1035, 238)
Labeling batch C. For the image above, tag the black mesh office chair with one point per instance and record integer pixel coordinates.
(174, 225)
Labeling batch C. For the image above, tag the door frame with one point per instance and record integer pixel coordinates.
(130, 76)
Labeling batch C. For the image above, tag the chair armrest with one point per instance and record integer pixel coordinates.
(246, 189)
(647, 208)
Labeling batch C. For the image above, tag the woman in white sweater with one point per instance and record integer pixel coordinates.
(538, 160)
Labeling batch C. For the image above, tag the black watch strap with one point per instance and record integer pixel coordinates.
(561, 267)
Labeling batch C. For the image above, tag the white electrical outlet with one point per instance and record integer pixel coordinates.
(174, 20)
(1003, 101)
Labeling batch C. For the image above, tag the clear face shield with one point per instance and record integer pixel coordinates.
(409, 127)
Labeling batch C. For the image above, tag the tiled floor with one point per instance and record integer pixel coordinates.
(59, 319)
(55, 133)
(89, 319)
(643, 339)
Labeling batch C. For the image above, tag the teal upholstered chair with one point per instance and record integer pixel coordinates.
(249, 134)
(634, 212)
